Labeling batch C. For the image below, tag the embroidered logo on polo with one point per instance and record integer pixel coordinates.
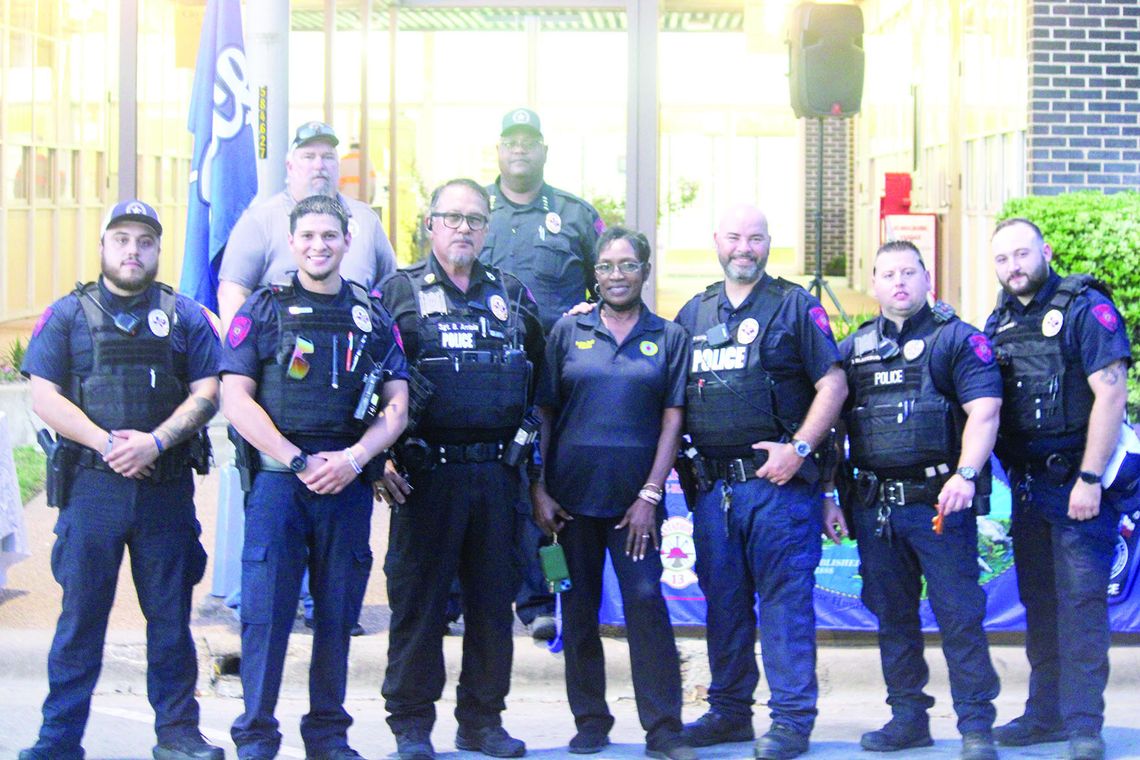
(239, 330)
(584, 345)
(982, 348)
(649, 348)
(1106, 315)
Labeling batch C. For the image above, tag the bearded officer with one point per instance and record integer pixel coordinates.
(315, 380)
(764, 390)
(1064, 358)
(921, 419)
(474, 333)
(124, 370)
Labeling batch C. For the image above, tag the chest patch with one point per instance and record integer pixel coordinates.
(716, 359)
(1051, 323)
(158, 322)
(649, 348)
(889, 377)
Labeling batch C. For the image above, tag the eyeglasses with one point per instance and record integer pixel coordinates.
(525, 143)
(298, 366)
(625, 267)
(452, 220)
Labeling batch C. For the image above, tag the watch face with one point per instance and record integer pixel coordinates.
(298, 463)
(802, 448)
(969, 473)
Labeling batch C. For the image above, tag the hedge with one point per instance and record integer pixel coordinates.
(1098, 234)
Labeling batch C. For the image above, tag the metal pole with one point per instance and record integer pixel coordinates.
(641, 130)
(330, 40)
(393, 229)
(267, 49)
(128, 99)
(365, 184)
(818, 284)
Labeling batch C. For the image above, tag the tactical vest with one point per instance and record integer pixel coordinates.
(900, 422)
(471, 353)
(311, 405)
(731, 400)
(1046, 399)
(132, 384)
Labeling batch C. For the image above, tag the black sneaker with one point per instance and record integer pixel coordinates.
(340, 753)
(1086, 747)
(189, 747)
(715, 728)
(897, 735)
(490, 740)
(978, 745)
(1020, 732)
(780, 743)
(588, 743)
(414, 744)
(544, 628)
(675, 751)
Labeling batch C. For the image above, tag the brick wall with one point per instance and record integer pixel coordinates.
(1084, 103)
(838, 190)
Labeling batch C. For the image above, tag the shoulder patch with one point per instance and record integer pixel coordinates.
(982, 348)
(239, 330)
(397, 336)
(819, 316)
(213, 321)
(1106, 315)
(42, 321)
(599, 226)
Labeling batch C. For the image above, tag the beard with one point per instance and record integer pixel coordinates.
(1033, 281)
(135, 283)
(743, 271)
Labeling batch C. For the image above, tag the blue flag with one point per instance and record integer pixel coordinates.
(223, 172)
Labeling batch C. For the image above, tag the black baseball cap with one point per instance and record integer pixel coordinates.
(132, 210)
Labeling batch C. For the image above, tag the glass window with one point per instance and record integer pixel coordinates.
(17, 177)
(45, 171)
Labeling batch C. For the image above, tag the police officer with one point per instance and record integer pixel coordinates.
(315, 380)
(1064, 357)
(921, 419)
(474, 333)
(546, 237)
(764, 389)
(124, 370)
(257, 252)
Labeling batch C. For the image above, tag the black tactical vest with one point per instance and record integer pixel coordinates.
(1046, 397)
(312, 406)
(472, 354)
(731, 400)
(132, 384)
(900, 423)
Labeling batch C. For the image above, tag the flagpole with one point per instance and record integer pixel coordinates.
(267, 45)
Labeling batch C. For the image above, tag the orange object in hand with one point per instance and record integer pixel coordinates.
(936, 522)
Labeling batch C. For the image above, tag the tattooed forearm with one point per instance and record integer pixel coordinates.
(1113, 373)
(188, 418)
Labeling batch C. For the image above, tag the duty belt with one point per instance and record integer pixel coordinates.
(269, 464)
(166, 467)
(899, 493)
(730, 470)
(468, 453)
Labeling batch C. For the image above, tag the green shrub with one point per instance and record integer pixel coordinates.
(1098, 234)
(30, 472)
(842, 329)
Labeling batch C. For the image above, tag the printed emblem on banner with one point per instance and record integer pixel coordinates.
(498, 307)
(43, 320)
(819, 316)
(649, 348)
(584, 345)
(553, 223)
(159, 323)
(747, 331)
(353, 227)
(1051, 322)
(239, 330)
(361, 318)
(678, 553)
(913, 349)
(1106, 315)
(982, 348)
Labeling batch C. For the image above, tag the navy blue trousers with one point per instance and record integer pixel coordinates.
(1063, 567)
(460, 519)
(892, 584)
(289, 528)
(767, 544)
(652, 650)
(105, 514)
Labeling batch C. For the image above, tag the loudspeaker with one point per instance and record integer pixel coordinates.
(825, 60)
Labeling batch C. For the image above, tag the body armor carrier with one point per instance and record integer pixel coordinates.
(471, 354)
(732, 401)
(1047, 398)
(312, 405)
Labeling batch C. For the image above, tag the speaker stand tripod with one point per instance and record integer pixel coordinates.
(818, 284)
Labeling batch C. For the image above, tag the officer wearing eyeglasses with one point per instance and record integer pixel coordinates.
(763, 392)
(546, 237)
(473, 332)
(124, 370)
(921, 421)
(315, 380)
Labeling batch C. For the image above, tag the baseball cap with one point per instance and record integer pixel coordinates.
(314, 130)
(522, 118)
(132, 210)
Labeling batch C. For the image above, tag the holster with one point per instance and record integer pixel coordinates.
(845, 488)
(687, 479)
(246, 459)
(60, 468)
(200, 452)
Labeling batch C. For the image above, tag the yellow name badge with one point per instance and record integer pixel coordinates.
(584, 345)
(649, 348)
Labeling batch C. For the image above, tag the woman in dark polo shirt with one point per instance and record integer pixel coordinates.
(611, 401)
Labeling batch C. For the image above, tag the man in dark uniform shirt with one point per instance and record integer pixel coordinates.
(545, 237)
(297, 362)
(1064, 355)
(919, 467)
(764, 390)
(124, 370)
(473, 332)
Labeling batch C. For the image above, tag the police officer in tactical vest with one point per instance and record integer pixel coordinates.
(315, 381)
(1064, 357)
(921, 418)
(764, 390)
(124, 370)
(473, 332)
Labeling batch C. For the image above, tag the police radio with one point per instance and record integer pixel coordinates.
(369, 404)
(718, 336)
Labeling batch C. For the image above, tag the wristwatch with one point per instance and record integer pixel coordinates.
(802, 448)
(299, 462)
(968, 473)
(1089, 477)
